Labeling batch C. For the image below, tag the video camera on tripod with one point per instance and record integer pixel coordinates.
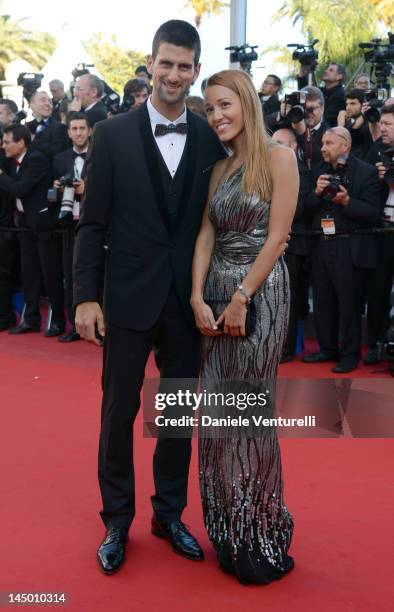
(381, 57)
(244, 54)
(305, 54)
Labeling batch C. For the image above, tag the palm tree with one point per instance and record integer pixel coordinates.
(19, 43)
(337, 24)
(202, 8)
(385, 11)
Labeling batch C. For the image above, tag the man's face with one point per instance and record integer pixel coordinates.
(353, 108)
(173, 72)
(269, 88)
(331, 74)
(41, 105)
(142, 75)
(13, 149)
(140, 97)
(387, 129)
(57, 92)
(84, 92)
(79, 132)
(333, 146)
(313, 113)
(362, 83)
(5, 116)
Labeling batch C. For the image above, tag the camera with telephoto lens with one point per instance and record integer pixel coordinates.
(297, 101)
(375, 99)
(336, 180)
(67, 204)
(30, 82)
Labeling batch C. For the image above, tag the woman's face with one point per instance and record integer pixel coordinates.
(224, 112)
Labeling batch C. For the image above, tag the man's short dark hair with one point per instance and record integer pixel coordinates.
(76, 116)
(340, 69)
(356, 94)
(387, 110)
(276, 80)
(19, 132)
(96, 83)
(134, 86)
(10, 104)
(179, 33)
(142, 69)
(313, 94)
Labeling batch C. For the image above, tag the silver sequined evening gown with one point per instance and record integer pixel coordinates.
(241, 477)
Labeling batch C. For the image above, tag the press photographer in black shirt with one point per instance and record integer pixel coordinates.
(353, 120)
(346, 197)
(333, 90)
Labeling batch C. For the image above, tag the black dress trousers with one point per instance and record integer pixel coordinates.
(126, 352)
(336, 297)
(380, 282)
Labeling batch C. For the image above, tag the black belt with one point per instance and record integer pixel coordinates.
(331, 236)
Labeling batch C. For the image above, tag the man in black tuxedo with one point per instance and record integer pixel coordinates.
(48, 135)
(338, 255)
(88, 93)
(72, 162)
(56, 87)
(27, 180)
(147, 179)
(269, 94)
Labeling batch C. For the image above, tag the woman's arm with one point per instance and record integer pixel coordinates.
(202, 258)
(285, 181)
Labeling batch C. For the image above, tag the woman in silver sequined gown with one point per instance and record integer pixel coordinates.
(240, 475)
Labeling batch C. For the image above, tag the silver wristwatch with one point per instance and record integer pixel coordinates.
(244, 293)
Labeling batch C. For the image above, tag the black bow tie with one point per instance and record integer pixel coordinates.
(162, 130)
(75, 155)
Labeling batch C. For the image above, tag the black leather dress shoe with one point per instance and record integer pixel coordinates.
(180, 538)
(24, 328)
(72, 336)
(111, 554)
(344, 367)
(372, 357)
(54, 330)
(319, 358)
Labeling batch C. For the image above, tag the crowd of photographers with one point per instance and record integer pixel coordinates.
(344, 142)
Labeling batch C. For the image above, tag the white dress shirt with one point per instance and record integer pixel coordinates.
(78, 166)
(18, 202)
(171, 146)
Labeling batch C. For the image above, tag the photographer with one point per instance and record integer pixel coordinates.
(353, 120)
(71, 163)
(346, 197)
(48, 135)
(27, 180)
(333, 90)
(269, 94)
(88, 91)
(135, 93)
(362, 81)
(380, 282)
(296, 252)
(56, 87)
(8, 111)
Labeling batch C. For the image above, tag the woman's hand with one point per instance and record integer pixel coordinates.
(234, 316)
(205, 320)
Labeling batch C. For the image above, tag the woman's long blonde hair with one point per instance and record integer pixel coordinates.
(257, 177)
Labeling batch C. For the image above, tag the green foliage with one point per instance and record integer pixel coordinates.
(340, 25)
(19, 43)
(115, 63)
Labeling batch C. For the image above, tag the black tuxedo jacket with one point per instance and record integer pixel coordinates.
(30, 184)
(63, 163)
(50, 141)
(363, 211)
(124, 196)
(97, 113)
(272, 105)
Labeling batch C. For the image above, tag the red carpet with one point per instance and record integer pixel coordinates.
(339, 491)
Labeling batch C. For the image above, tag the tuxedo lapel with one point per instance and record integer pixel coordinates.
(152, 160)
(189, 159)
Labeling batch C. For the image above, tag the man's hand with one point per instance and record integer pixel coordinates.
(79, 187)
(87, 315)
(75, 105)
(381, 170)
(322, 182)
(57, 185)
(342, 197)
(341, 118)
